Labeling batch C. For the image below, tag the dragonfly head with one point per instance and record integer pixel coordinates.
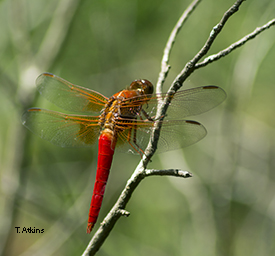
(142, 85)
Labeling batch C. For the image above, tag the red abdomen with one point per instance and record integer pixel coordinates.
(106, 145)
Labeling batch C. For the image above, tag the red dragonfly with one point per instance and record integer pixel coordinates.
(125, 121)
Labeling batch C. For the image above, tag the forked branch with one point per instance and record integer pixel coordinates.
(141, 172)
(190, 66)
(171, 40)
(118, 209)
(235, 45)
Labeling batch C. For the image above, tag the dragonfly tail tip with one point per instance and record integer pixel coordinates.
(90, 227)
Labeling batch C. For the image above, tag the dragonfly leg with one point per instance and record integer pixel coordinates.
(140, 151)
(134, 145)
(149, 118)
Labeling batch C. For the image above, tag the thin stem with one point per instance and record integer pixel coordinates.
(190, 66)
(141, 172)
(118, 209)
(169, 172)
(186, 72)
(171, 40)
(235, 45)
(115, 213)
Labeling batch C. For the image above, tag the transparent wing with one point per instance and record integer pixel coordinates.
(133, 133)
(61, 129)
(195, 101)
(184, 103)
(69, 96)
(174, 134)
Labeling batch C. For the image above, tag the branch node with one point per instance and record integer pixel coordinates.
(214, 29)
(123, 212)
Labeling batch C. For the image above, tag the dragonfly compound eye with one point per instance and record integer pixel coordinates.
(143, 84)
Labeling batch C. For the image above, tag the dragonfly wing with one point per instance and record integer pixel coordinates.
(69, 96)
(188, 102)
(61, 129)
(174, 134)
(177, 134)
(195, 101)
(135, 137)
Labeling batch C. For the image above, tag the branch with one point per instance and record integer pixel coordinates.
(165, 67)
(141, 172)
(170, 172)
(118, 209)
(235, 45)
(186, 72)
(190, 66)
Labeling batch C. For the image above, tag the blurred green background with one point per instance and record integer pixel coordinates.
(227, 208)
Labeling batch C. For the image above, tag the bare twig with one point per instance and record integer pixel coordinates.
(171, 40)
(170, 172)
(141, 172)
(235, 45)
(190, 66)
(118, 209)
(185, 73)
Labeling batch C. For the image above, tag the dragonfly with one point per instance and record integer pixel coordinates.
(124, 121)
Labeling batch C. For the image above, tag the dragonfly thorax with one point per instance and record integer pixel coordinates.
(125, 105)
